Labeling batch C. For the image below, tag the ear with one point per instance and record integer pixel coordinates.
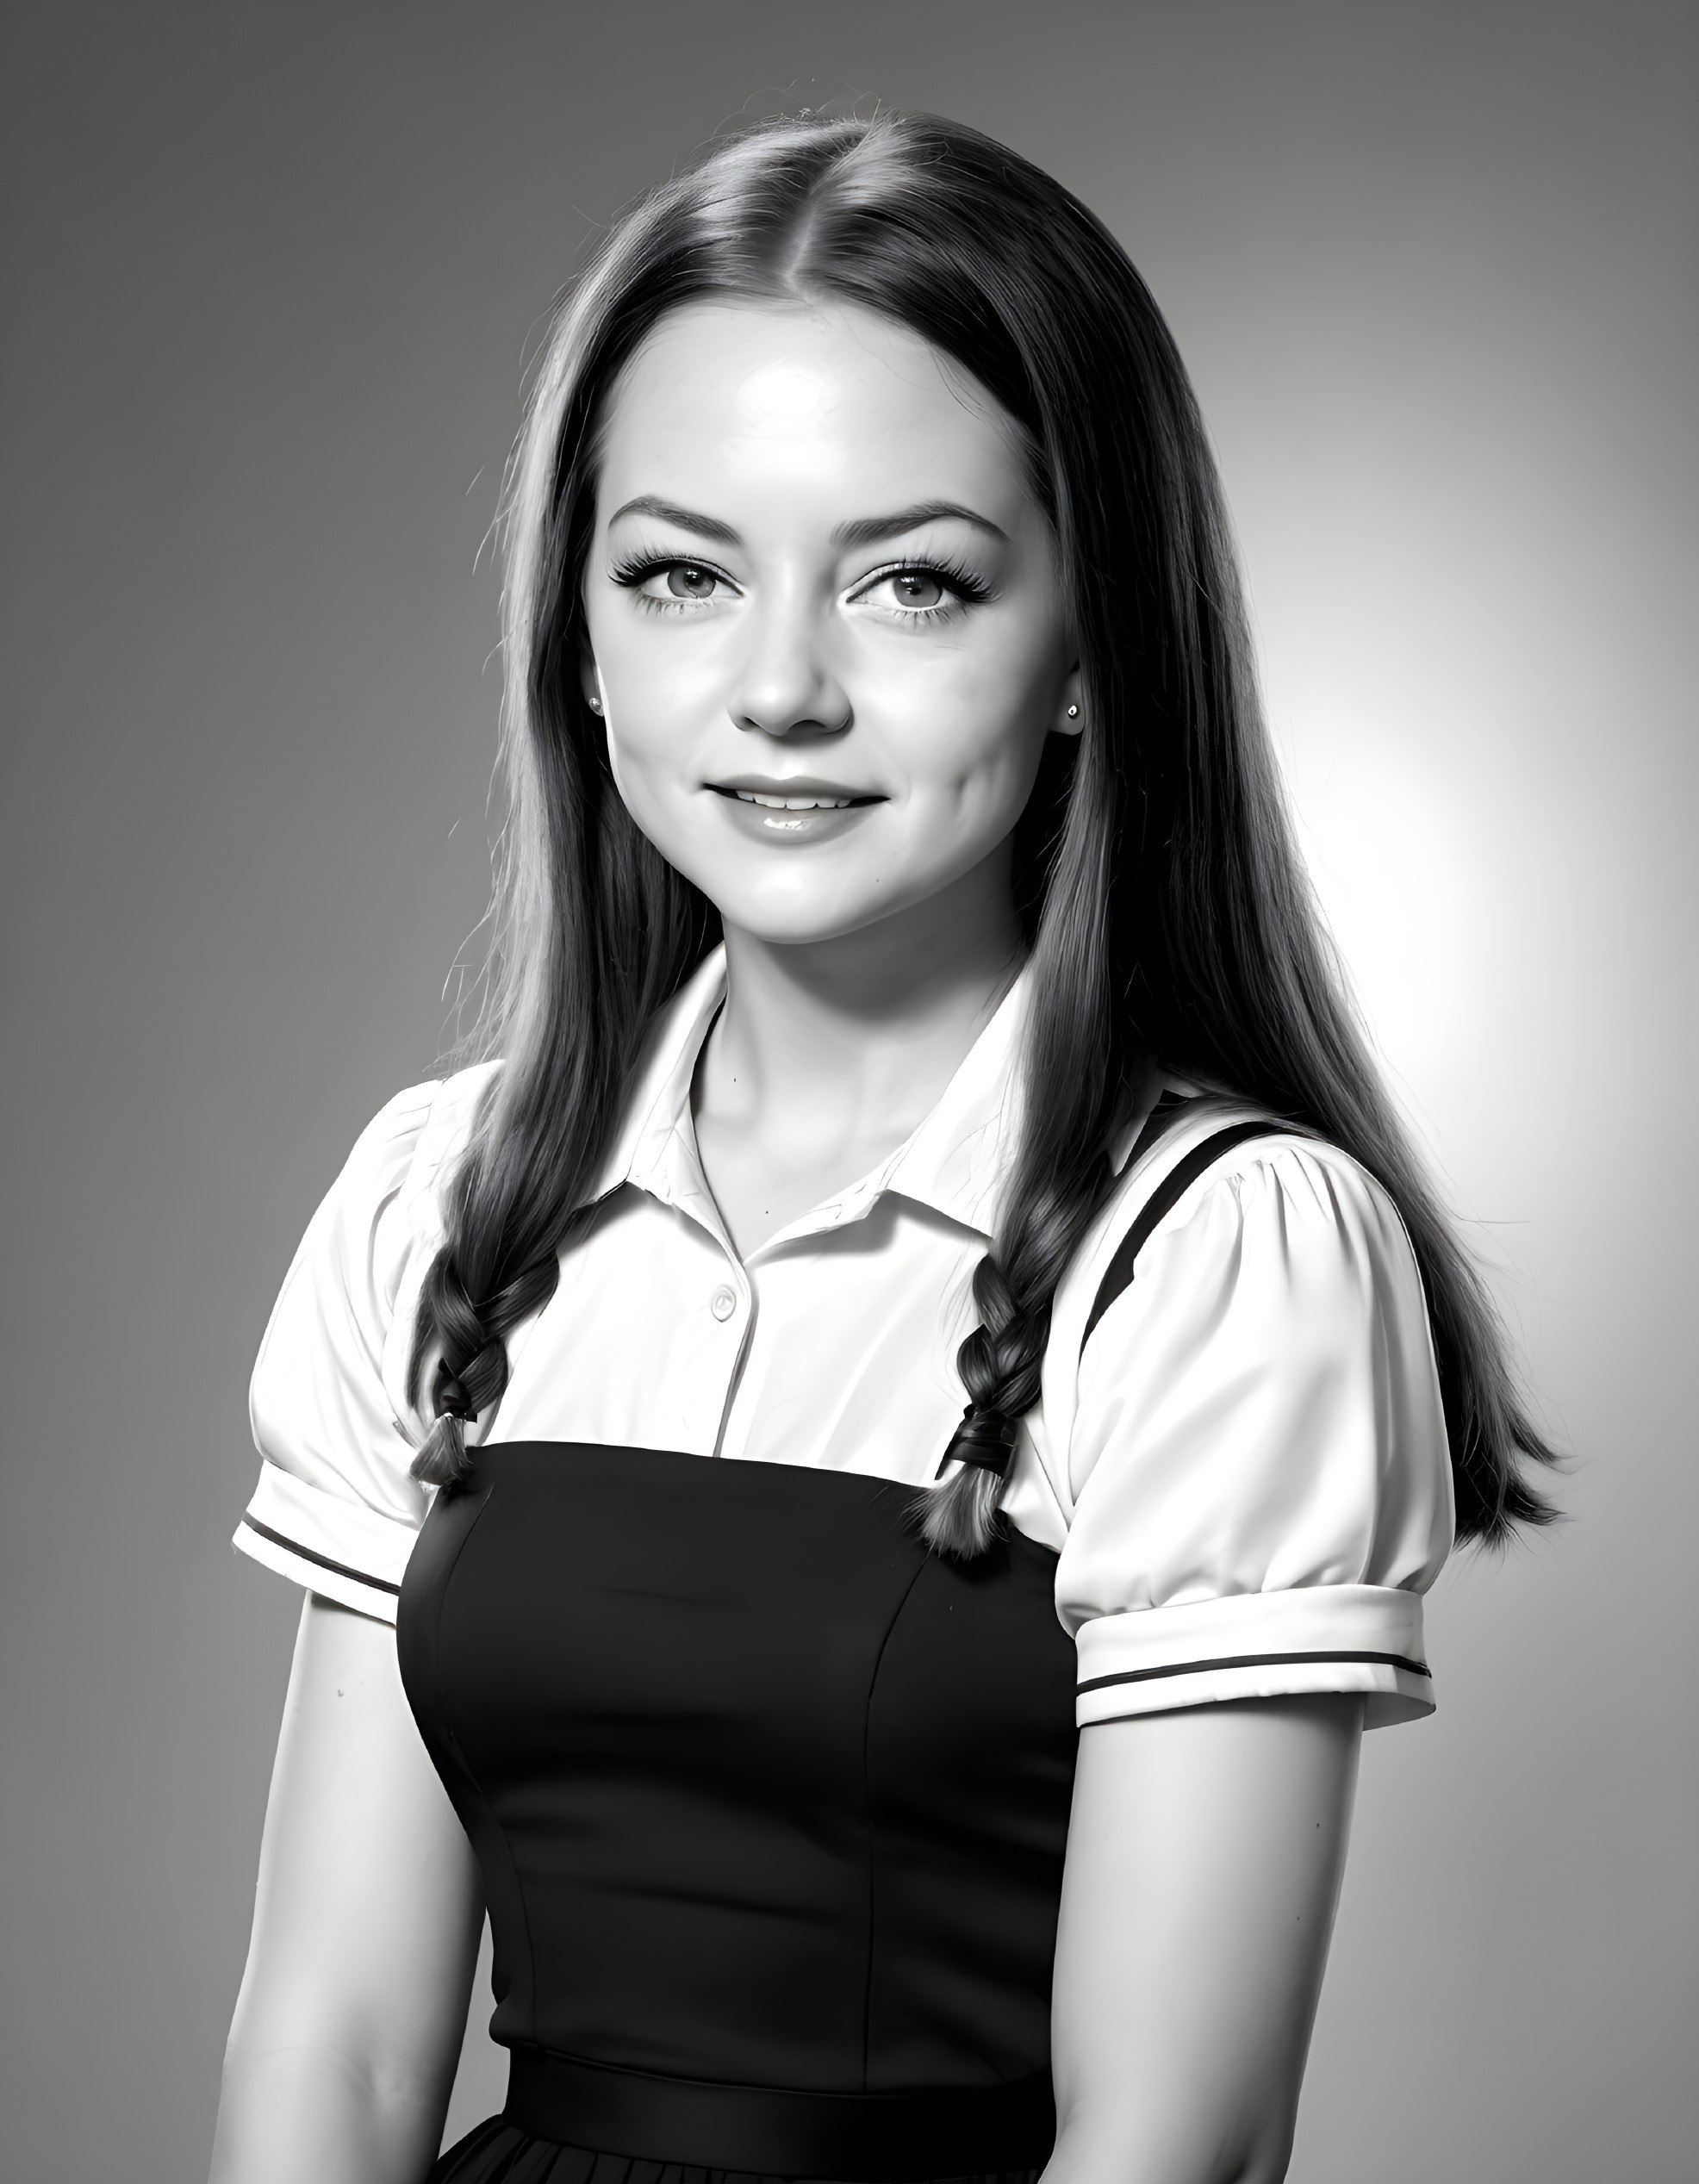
(1071, 711)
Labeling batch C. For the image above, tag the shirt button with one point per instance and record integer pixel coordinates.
(723, 1304)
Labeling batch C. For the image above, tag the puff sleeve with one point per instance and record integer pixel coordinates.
(335, 1508)
(1258, 1462)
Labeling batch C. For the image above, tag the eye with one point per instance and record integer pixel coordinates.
(672, 587)
(923, 592)
(918, 587)
(686, 579)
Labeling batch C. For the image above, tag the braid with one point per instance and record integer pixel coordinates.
(471, 1374)
(1002, 1360)
(470, 1319)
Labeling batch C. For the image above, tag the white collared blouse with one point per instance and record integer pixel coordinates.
(1243, 1472)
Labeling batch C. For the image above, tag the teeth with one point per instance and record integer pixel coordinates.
(793, 803)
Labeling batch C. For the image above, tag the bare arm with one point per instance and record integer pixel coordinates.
(1203, 1861)
(347, 2029)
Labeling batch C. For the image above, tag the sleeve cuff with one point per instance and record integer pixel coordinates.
(338, 1549)
(1260, 1646)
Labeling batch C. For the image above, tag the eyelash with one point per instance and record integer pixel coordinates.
(954, 575)
(641, 567)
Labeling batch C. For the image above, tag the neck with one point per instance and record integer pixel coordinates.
(857, 1036)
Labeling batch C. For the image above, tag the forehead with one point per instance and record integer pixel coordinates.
(809, 403)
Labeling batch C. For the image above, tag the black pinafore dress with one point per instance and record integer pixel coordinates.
(770, 1806)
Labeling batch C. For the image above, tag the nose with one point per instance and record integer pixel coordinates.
(786, 685)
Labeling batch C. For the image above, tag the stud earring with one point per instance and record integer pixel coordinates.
(595, 704)
(1074, 713)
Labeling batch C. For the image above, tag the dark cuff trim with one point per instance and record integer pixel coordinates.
(1254, 1660)
(307, 1554)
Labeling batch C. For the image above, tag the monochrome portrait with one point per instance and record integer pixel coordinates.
(852, 938)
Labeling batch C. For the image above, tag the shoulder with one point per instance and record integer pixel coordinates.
(1316, 1206)
(420, 1128)
(381, 1214)
(1221, 1168)
(401, 1157)
(1236, 1233)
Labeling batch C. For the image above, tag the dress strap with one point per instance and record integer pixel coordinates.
(1169, 1191)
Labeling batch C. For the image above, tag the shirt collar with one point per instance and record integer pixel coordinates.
(655, 1146)
(960, 1158)
(957, 1160)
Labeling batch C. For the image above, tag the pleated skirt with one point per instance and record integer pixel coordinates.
(497, 2152)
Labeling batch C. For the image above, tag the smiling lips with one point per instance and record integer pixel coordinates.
(794, 796)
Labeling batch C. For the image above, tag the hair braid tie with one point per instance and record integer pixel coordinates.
(452, 1399)
(451, 1393)
(986, 1438)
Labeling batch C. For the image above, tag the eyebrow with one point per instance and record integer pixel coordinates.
(865, 531)
(647, 504)
(868, 530)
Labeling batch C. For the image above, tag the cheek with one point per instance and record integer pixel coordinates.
(650, 704)
(975, 732)
(657, 759)
(665, 686)
(626, 769)
(649, 774)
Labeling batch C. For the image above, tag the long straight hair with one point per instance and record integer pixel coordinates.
(1162, 897)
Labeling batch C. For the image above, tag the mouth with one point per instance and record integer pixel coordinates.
(795, 796)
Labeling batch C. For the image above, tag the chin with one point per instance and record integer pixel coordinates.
(800, 917)
(797, 927)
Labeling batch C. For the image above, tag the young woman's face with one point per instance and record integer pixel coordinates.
(824, 619)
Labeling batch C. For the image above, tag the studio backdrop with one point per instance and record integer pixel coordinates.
(271, 276)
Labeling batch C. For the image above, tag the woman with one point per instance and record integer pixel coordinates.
(902, 945)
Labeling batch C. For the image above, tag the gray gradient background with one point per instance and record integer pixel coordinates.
(270, 274)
